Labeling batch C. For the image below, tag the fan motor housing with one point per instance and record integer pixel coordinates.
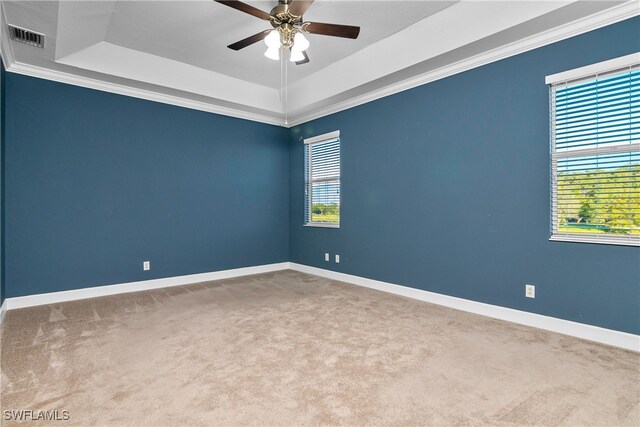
(280, 15)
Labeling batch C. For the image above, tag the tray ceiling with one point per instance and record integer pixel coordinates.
(175, 51)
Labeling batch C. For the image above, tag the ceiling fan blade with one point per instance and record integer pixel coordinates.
(249, 40)
(305, 60)
(243, 7)
(299, 7)
(335, 30)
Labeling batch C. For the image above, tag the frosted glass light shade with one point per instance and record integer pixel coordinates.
(273, 53)
(296, 55)
(272, 40)
(300, 42)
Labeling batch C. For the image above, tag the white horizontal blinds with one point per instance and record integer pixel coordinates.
(322, 201)
(307, 183)
(596, 157)
(601, 112)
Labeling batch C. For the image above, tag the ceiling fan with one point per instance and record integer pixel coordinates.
(289, 26)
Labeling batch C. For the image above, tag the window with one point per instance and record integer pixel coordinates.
(595, 153)
(322, 180)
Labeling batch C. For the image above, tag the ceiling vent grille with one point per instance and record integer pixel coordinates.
(25, 36)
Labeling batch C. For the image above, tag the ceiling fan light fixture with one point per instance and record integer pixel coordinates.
(296, 55)
(288, 23)
(273, 53)
(300, 42)
(272, 40)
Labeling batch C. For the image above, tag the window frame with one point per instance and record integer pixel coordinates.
(308, 180)
(584, 73)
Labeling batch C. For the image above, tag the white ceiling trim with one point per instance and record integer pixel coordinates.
(611, 16)
(608, 17)
(463, 23)
(11, 65)
(113, 60)
(58, 76)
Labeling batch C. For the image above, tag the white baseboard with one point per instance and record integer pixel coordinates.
(3, 310)
(566, 327)
(100, 291)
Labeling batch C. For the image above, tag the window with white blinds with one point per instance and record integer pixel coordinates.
(595, 155)
(322, 180)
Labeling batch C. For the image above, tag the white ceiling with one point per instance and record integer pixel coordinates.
(175, 51)
(197, 33)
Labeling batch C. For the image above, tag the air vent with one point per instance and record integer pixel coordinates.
(25, 36)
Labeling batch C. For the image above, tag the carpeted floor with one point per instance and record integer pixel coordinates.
(287, 348)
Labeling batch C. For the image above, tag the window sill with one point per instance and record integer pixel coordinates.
(609, 240)
(321, 225)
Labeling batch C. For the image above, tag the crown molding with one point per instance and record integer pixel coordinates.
(620, 13)
(62, 77)
(593, 22)
(11, 65)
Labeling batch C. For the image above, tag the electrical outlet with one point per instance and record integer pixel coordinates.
(326, 257)
(146, 265)
(530, 291)
(337, 259)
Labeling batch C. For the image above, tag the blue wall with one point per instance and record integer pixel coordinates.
(96, 183)
(445, 188)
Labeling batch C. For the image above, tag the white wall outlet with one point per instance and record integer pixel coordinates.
(337, 259)
(529, 291)
(326, 257)
(146, 265)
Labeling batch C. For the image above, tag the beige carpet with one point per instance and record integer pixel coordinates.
(287, 348)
